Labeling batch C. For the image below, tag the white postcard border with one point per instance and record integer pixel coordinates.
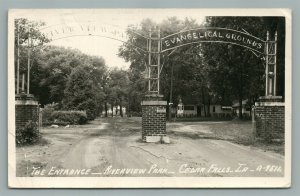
(153, 182)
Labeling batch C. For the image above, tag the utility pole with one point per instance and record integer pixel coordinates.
(18, 57)
(171, 94)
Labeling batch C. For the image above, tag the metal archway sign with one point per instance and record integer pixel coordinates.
(62, 31)
(221, 35)
(259, 47)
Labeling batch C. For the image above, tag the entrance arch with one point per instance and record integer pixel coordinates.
(154, 108)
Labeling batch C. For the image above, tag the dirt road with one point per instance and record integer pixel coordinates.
(112, 147)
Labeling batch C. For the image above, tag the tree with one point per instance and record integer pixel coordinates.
(51, 70)
(234, 71)
(117, 89)
(82, 92)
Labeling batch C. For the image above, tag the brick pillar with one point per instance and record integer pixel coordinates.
(154, 119)
(270, 117)
(26, 109)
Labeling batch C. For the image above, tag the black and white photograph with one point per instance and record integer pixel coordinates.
(149, 98)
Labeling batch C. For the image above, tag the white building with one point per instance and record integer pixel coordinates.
(246, 109)
(215, 110)
(115, 111)
(186, 110)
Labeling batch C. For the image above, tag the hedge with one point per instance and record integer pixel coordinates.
(69, 117)
(50, 116)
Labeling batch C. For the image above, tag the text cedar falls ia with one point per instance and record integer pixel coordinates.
(208, 35)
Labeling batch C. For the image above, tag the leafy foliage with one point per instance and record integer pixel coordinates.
(52, 115)
(234, 72)
(27, 135)
(70, 78)
(47, 113)
(117, 88)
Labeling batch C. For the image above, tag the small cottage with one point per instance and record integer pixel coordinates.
(246, 108)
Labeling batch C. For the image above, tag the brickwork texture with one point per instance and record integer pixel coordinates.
(153, 121)
(26, 110)
(270, 122)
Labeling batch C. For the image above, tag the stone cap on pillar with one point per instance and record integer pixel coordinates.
(24, 96)
(270, 99)
(25, 99)
(153, 97)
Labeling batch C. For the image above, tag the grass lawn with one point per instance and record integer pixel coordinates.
(240, 132)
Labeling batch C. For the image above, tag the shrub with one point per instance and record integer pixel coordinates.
(29, 134)
(69, 117)
(90, 107)
(47, 112)
(134, 114)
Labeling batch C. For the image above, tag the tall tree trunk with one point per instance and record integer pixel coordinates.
(112, 110)
(208, 105)
(105, 107)
(241, 92)
(121, 109)
(240, 107)
(203, 99)
(128, 106)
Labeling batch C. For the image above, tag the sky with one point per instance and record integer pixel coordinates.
(100, 46)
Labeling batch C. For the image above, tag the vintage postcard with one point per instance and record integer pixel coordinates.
(149, 98)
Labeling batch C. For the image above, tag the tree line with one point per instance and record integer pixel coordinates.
(67, 77)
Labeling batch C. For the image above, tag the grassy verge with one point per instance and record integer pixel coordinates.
(240, 132)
